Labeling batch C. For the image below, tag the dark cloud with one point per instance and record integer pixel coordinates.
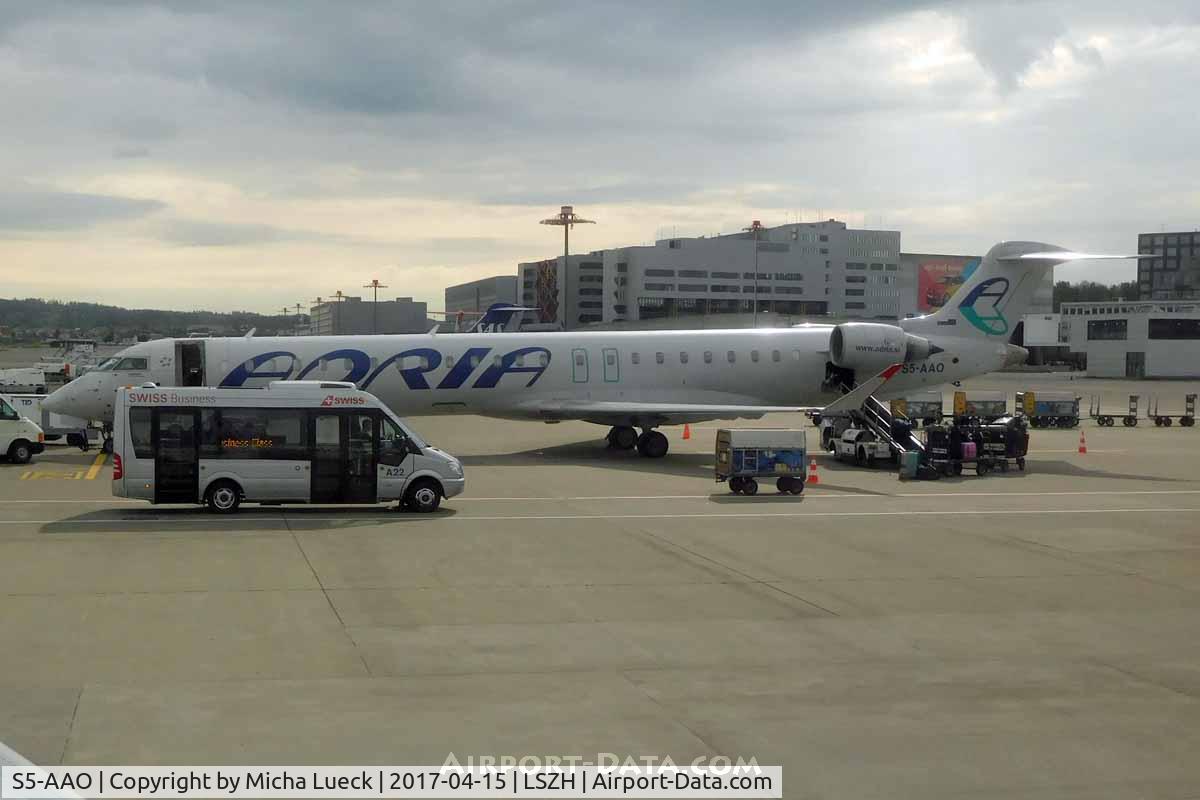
(33, 210)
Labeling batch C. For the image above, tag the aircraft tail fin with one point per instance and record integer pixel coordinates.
(498, 317)
(997, 290)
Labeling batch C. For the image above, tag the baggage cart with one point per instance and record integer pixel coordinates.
(747, 455)
(980, 406)
(1187, 419)
(921, 408)
(1129, 419)
(1049, 409)
(1000, 444)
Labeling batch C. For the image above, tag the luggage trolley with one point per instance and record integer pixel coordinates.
(1129, 420)
(1000, 442)
(745, 455)
(922, 407)
(1049, 409)
(1187, 419)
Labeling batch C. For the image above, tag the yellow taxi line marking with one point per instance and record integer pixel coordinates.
(94, 469)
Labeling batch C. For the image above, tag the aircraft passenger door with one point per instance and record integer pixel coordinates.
(612, 364)
(579, 365)
(176, 456)
(189, 364)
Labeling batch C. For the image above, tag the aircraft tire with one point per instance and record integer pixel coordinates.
(623, 437)
(653, 444)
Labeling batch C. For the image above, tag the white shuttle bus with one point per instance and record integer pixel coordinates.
(293, 442)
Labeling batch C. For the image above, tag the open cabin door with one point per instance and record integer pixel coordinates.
(189, 363)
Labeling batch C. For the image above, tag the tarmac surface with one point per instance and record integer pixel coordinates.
(1027, 634)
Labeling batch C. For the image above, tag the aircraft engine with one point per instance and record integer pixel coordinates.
(868, 347)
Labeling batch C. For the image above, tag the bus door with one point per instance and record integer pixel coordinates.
(176, 456)
(344, 456)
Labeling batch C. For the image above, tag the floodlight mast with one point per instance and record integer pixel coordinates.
(566, 219)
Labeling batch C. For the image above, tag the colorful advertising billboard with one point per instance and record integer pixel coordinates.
(938, 278)
(547, 290)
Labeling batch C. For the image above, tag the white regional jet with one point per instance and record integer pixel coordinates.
(623, 379)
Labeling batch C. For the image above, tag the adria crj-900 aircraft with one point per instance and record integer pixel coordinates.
(623, 379)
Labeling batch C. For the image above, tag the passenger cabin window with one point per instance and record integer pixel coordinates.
(795, 355)
(475, 361)
(635, 358)
(683, 357)
(544, 359)
(448, 361)
(708, 356)
(610, 359)
(660, 358)
(579, 359)
(775, 356)
(754, 356)
(731, 356)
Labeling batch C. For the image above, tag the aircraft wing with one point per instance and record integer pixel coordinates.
(636, 413)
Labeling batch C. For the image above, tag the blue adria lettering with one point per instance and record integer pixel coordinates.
(280, 365)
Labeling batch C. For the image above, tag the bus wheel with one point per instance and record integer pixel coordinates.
(223, 497)
(423, 496)
(20, 452)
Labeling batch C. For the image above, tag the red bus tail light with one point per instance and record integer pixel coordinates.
(118, 467)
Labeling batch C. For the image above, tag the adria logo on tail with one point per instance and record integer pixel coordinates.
(981, 306)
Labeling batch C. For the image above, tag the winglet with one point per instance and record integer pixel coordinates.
(853, 400)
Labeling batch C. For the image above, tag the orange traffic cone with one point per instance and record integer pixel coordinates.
(687, 431)
(812, 472)
(1082, 443)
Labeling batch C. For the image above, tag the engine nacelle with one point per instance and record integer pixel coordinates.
(869, 347)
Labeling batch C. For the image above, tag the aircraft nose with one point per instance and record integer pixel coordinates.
(57, 401)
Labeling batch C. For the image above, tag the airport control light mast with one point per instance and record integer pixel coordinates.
(566, 219)
(376, 285)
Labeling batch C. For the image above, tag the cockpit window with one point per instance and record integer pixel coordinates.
(131, 364)
(106, 365)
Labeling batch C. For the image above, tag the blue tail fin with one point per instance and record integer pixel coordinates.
(499, 317)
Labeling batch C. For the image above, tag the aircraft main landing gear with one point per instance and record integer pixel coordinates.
(652, 444)
(623, 437)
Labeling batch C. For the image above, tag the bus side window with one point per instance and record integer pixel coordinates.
(139, 431)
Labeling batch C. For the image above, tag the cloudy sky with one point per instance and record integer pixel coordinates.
(250, 155)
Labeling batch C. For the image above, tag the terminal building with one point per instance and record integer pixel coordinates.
(1174, 272)
(813, 268)
(478, 295)
(1134, 339)
(788, 272)
(353, 316)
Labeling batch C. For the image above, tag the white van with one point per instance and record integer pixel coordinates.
(20, 438)
(293, 442)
